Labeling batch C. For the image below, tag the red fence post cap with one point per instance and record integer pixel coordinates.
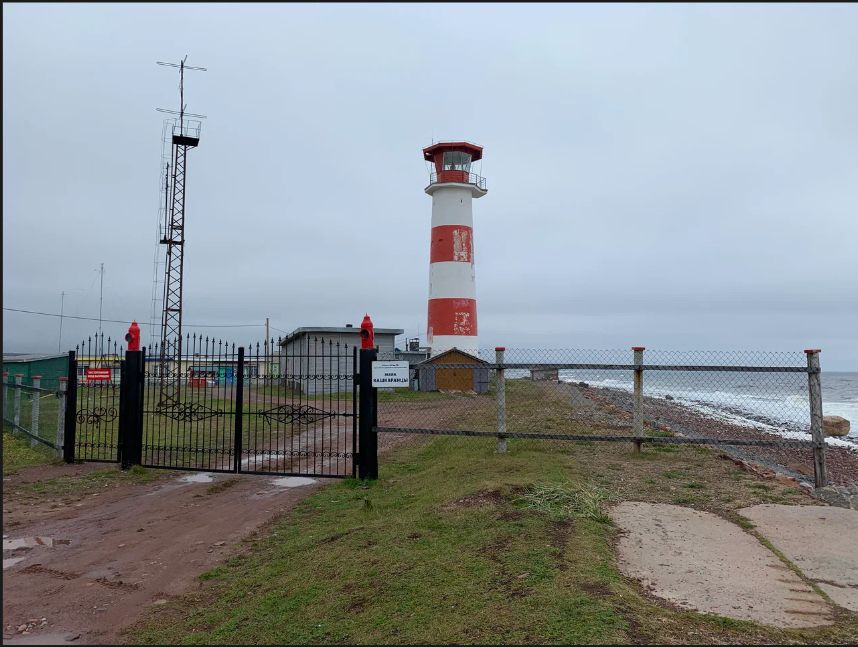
(19, 375)
(6, 373)
(638, 348)
(499, 348)
(64, 379)
(813, 350)
(36, 377)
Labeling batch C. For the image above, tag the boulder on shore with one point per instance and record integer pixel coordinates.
(835, 426)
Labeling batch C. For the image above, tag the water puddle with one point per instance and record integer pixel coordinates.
(201, 477)
(31, 542)
(11, 562)
(293, 481)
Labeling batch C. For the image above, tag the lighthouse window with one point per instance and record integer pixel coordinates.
(457, 161)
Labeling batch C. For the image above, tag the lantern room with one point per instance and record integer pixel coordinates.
(453, 162)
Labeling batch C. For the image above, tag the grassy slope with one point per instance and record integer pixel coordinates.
(402, 562)
(17, 453)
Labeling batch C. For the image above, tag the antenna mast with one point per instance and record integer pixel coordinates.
(185, 137)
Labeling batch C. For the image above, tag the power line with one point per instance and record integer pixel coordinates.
(51, 314)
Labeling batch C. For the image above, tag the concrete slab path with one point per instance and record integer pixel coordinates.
(821, 541)
(702, 562)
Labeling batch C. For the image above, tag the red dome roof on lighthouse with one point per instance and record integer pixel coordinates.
(452, 161)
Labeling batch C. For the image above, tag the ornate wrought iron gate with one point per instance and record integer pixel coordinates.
(95, 378)
(299, 412)
(268, 411)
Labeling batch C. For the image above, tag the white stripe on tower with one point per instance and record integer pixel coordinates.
(452, 311)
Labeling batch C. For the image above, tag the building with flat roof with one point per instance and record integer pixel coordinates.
(321, 359)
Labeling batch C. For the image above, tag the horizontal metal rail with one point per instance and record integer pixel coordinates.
(671, 440)
(472, 178)
(31, 389)
(625, 367)
(34, 437)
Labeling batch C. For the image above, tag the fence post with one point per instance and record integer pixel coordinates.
(239, 411)
(130, 406)
(638, 399)
(814, 382)
(61, 415)
(69, 428)
(37, 396)
(16, 410)
(367, 438)
(500, 401)
(5, 393)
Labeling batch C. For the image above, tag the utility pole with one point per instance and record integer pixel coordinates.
(267, 356)
(100, 302)
(62, 304)
(100, 297)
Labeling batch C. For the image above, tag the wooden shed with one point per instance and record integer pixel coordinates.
(453, 379)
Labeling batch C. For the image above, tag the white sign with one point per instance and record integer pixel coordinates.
(387, 374)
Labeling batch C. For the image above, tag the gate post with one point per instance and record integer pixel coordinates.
(368, 439)
(500, 401)
(70, 428)
(239, 411)
(638, 399)
(130, 408)
(817, 432)
(61, 415)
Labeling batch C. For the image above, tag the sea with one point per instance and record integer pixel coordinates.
(775, 402)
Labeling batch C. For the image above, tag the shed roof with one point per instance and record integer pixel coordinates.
(299, 332)
(453, 350)
(22, 358)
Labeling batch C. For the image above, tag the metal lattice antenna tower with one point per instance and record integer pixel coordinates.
(186, 135)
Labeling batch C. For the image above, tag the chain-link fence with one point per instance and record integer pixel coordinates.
(33, 411)
(755, 406)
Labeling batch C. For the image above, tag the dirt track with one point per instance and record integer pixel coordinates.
(133, 545)
(130, 547)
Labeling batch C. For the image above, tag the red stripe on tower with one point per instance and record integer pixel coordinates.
(452, 243)
(453, 317)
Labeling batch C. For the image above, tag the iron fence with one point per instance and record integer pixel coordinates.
(263, 408)
(761, 407)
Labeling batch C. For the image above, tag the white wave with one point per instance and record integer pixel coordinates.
(791, 410)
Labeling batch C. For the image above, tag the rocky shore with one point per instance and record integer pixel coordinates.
(669, 416)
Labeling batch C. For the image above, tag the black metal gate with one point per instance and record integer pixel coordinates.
(95, 377)
(299, 411)
(270, 411)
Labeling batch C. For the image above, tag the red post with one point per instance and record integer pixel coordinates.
(133, 336)
(367, 337)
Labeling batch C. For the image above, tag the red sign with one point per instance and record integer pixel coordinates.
(98, 374)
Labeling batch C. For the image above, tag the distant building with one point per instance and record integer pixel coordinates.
(51, 367)
(543, 374)
(474, 380)
(326, 353)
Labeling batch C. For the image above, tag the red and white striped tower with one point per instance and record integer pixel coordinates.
(452, 321)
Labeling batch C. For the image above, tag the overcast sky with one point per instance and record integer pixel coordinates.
(675, 176)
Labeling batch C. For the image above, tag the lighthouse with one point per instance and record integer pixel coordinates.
(452, 319)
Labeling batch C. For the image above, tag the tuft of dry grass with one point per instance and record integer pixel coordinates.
(564, 501)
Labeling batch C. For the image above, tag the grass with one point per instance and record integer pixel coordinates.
(454, 546)
(95, 481)
(565, 501)
(18, 453)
